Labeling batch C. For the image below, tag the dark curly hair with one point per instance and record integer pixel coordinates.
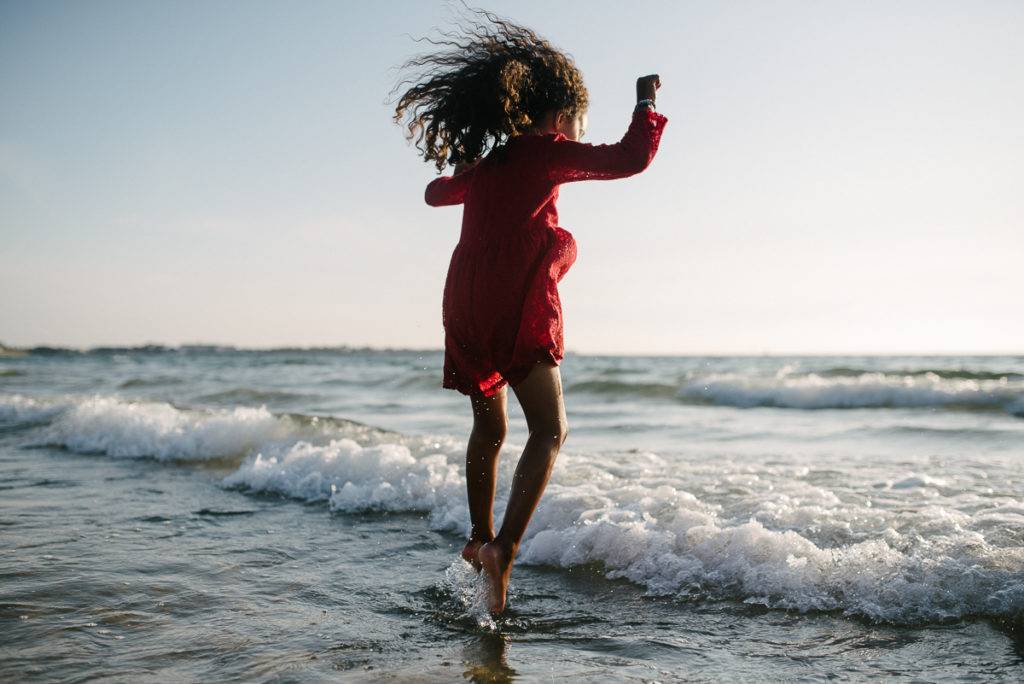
(494, 82)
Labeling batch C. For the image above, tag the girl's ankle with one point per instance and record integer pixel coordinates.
(508, 547)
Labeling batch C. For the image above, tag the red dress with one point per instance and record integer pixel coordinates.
(501, 311)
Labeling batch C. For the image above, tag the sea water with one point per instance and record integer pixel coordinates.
(211, 513)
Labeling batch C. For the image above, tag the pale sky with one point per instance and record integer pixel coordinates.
(838, 177)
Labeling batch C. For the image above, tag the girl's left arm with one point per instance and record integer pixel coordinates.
(568, 160)
(448, 190)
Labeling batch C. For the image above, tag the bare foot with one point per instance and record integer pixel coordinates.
(497, 566)
(469, 552)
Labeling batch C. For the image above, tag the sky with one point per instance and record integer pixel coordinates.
(836, 177)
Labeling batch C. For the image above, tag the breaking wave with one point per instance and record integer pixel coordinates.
(867, 390)
(644, 518)
(669, 541)
(839, 388)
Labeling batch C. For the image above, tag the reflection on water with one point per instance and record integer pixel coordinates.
(486, 660)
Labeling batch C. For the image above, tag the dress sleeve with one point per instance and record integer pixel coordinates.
(446, 190)
(568, 160)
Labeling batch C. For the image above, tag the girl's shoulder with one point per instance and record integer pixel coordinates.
(527, 148)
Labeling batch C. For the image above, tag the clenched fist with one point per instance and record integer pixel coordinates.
(647, 86)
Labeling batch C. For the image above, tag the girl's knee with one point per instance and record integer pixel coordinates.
(493, 430)
(557, 431)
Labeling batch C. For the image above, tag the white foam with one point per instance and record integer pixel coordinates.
(352, 477)
(896, 545)
(117, 427)
(17, 408)
(868, 390)
(915, 480)
(803, 549)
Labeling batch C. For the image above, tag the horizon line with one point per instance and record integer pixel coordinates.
(365, 347)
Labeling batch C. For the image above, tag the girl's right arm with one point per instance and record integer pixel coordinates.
(569, 160)
(447, 190)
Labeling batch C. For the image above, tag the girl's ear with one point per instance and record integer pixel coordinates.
(562, 120)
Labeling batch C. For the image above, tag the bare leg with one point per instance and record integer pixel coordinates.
(490, 424)
(540, 395)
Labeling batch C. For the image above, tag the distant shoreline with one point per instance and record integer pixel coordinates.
(7, 351)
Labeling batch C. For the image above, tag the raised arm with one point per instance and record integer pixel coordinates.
(569, 160)
(448, 190)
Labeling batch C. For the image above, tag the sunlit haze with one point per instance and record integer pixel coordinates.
(833, 178)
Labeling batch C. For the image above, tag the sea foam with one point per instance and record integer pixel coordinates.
(18, 409)
(638, 526)
(866, 390)
(123, 428)
(351, 477)
(905, 549)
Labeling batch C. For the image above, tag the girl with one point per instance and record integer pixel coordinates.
(506, 87)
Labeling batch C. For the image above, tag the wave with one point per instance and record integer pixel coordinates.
(18, 410)
(625, 387)
(953, 432)
(114, 427)
(946, 373)
(667, 540)
(248, 395)
(869, 390)
(151, 381)
(799, 548)
(925, 389)
(158, 430)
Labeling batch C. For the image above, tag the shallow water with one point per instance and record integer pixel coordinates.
(222, 514)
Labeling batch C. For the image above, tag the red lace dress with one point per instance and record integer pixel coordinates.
(501, 310)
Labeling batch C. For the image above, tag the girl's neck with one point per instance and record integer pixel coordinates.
(535, 131)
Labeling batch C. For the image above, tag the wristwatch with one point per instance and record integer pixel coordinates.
(646, 101)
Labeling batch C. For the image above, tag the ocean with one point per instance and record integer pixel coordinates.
(207, 513)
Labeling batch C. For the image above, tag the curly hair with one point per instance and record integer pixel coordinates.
(493, 83)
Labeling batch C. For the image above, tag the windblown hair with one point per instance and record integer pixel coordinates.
(494, 82)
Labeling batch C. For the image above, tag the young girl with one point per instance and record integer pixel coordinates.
(506, 87)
